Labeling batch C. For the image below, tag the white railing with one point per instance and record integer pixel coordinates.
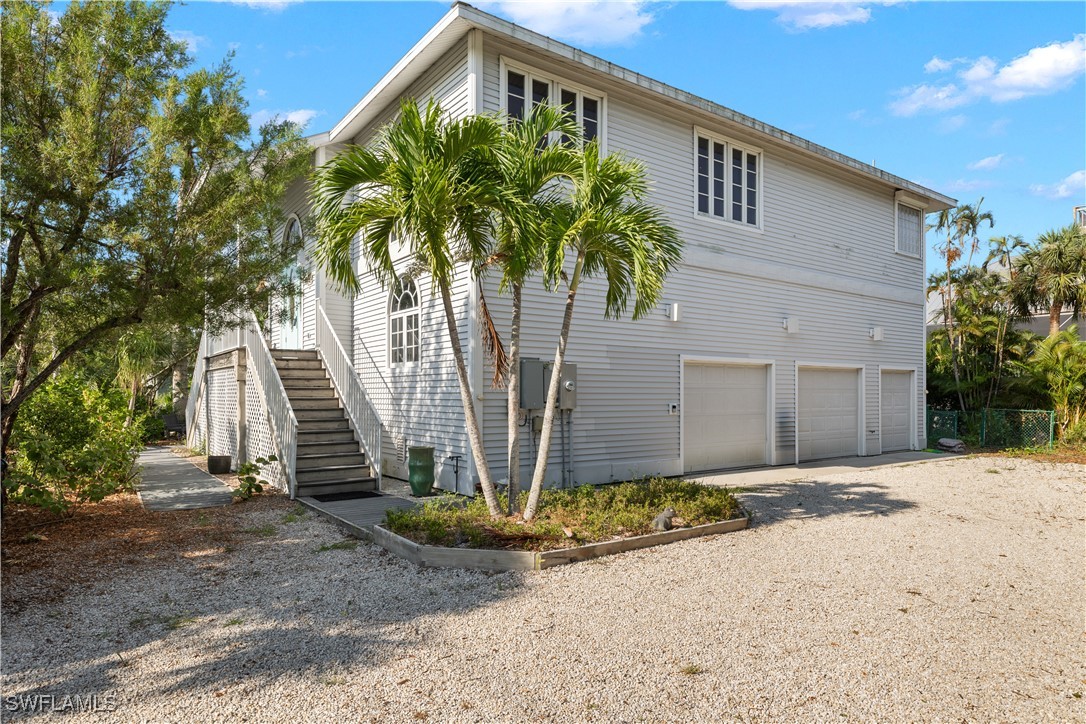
(363, 415)
(197, 385)
(387, 404)
(284, 425)
(1080, 216)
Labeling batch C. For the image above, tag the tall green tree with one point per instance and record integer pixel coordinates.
(527, 162)
(1059, 361)
(605, 229)
(133, 192)
(421, 185)
(961, 225)
(1051, 274)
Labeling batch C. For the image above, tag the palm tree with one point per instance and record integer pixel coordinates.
(527, 164)
(416, 185)
(1052, 274)
(961, 225)
(611, 232)
(1060, 362)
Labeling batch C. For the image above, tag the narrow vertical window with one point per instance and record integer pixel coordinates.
(403, 322)
(752, 189)
(590, 121)
(737, 185)
(718, 179)
(515, 95)
(910, 230)
(569, 105)
(703, 175)
(727, 181)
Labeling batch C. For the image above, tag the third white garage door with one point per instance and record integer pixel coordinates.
(897, 392)
(829, 413)
(724, 418)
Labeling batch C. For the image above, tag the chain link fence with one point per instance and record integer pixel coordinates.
(993, 428)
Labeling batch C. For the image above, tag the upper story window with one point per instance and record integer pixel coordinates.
(910, 230)
(525, 89)
(728, 180)
(403, 322)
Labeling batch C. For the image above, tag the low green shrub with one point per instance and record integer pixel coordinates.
(70, 445)
(570, 517)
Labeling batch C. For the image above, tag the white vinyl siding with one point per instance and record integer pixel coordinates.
(910, 230)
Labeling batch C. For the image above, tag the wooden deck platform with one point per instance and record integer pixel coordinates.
(359, 515)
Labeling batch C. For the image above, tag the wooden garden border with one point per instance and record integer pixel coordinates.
(496, 560)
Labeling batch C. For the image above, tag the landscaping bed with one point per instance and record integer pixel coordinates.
(566, 518)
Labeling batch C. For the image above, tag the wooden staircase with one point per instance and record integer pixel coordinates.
(330, 458)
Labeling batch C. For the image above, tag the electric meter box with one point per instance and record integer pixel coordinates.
(535, 376)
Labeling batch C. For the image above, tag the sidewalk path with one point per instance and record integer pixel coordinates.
(172, 483)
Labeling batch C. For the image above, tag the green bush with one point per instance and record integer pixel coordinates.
(70, 445)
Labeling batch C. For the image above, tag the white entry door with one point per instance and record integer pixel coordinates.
(725, 416)
(897, 423)
(290, 329)
(829, 413)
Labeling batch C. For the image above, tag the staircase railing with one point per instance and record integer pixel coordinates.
(351, 393)
(281, 418)
(195, 388)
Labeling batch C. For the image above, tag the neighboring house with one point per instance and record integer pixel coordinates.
(793, 330)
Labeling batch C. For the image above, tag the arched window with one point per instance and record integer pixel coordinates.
(403, 322)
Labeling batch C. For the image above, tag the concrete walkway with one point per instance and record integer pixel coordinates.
(784, 473)
(168, 482)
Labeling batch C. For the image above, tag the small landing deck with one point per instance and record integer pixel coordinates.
(358, 515)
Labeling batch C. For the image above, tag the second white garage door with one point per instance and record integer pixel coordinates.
(829, 419)
(724, 418)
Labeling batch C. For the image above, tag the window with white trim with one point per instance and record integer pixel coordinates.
(526, 89)
(403, 322)
(910, 230)
(728, 180)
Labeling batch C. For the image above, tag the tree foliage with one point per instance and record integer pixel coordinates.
(133, 192)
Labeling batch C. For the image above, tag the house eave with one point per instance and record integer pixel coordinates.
(462, 17)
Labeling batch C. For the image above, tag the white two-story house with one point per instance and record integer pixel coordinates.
(793, 330)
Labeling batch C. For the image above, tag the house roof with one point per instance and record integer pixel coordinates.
(463, 17)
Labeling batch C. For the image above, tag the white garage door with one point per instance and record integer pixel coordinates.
(897, 391)
(724, 420)
(829, 404)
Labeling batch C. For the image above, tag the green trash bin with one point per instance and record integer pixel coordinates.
(420, 466)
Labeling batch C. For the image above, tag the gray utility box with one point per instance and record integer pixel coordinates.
(535, 376)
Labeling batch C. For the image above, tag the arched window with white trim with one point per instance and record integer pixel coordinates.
(403, 322)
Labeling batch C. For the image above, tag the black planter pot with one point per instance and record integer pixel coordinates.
(218, 464)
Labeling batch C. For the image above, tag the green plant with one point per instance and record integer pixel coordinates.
(343, 545)
(691, 670)
(249, 481)
(298, 513)
(263, 531)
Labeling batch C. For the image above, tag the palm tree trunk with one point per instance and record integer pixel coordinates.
(133, 393)
(552, 395)
(948, 316)
(471, 420)
(1054, 315)
(513, 411)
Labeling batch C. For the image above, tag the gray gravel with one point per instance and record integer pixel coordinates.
(951, 590)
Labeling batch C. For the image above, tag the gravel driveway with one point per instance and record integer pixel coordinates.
(951, 590)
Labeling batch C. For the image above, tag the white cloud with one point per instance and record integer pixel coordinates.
(1073, 185)
(998, 127)
(587, 22)
(271, 6)
(301, 116)
(1040, 71)
(937, 65)
(192, 41)
(988, 163)
(959, 185)
(260, 92)
(805, 15)
(952, 123)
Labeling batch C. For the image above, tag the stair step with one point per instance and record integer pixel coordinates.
(306, 383)
(332, 472)
(349, 485)
(285, 354)
(323, 416)
(332, 436)
(298, 364)
(310, 393)
(328, 447)
(322, 461)
(308, 403)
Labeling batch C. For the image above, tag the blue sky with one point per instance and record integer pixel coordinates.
(971, 99)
